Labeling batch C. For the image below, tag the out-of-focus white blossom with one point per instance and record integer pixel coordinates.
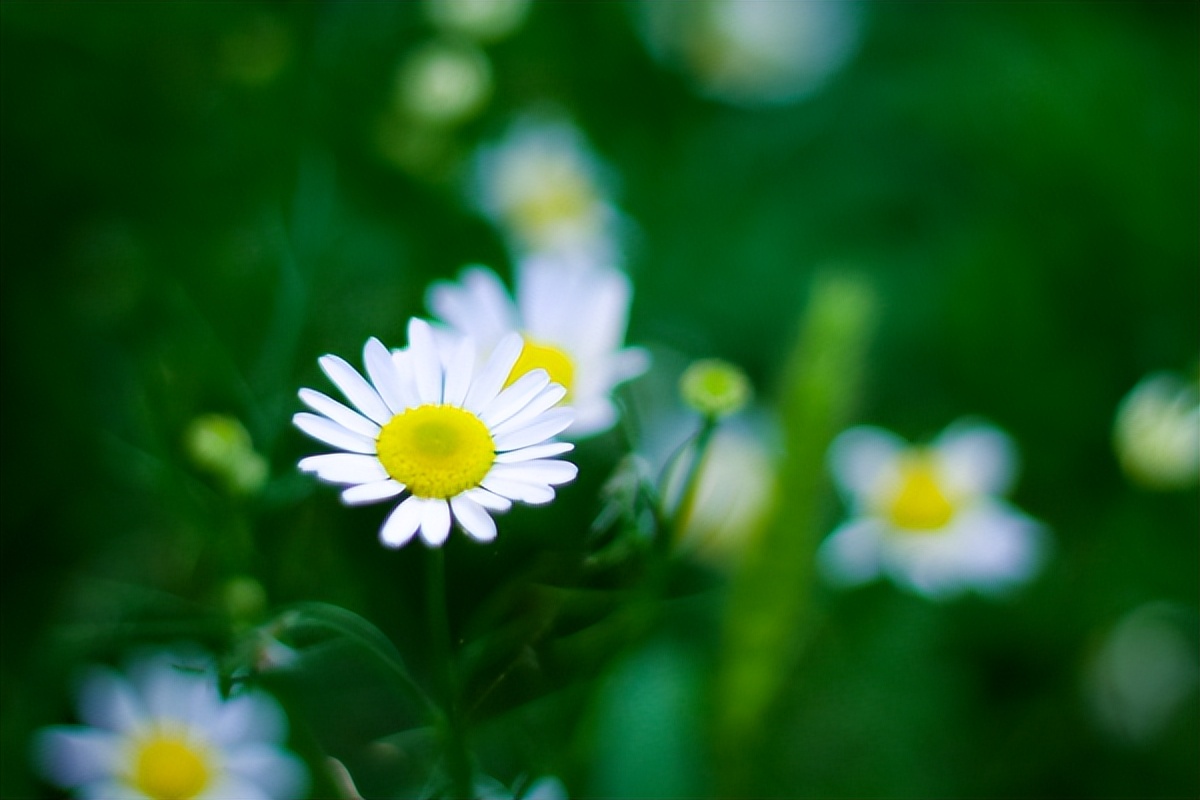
(443, 83)
(1157, 432)
(482, 20)
(547, 193)
(1142, 672)
(548, 788)
(162, 731)
(573, 322)
(754, 52)
(930, 518)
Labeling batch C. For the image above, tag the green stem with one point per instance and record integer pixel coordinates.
(453, 725)
(687, 492)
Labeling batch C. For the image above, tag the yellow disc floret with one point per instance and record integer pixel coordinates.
(565, 195)
(548, 357)
(169, 768)
(919, 503)
(436, 450)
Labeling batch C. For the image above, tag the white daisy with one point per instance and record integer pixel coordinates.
(546, 192)
(930, 518)
(162, 731)
(573, 322)
(459, 443)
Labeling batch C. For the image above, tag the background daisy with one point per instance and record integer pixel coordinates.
(457, 442)
(930, 518)
(162, 731)
(573, 322)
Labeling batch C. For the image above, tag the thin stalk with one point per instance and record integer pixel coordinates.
(454, 728)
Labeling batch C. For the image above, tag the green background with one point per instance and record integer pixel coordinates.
(1017, 182)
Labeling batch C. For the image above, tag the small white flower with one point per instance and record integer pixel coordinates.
(162, 731)
(930, 518)
(543, 188)
(754, 52)
(1157, 432)
(460, 443)
(483, 20)
(573, 322)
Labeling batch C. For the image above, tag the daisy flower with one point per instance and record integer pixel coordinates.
(543, 188)
(457, 442)
(930, 518)
(162, 731)
(573, 322)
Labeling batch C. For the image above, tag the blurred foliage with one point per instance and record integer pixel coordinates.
(195, 207)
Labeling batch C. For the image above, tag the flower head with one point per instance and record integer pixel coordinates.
(162, 731)
(543, 188)
(1157, 432)
(458, 442)
(930, 517)
(573, 322)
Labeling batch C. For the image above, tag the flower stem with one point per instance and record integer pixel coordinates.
(688, 488)
(453, 726)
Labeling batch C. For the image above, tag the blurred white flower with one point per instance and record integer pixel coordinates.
(1157, 432)
(930, 518)
(462, 443)
(162, 731)
(547, 788)
(754, 52)
(735, 490)
(545, 191)
(573, 321)
(1143, 671)
(482, 20)
(443, 83)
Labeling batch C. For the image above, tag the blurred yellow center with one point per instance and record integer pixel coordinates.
(567, 195)
(547, 357)
(168, 768)
(436, 450)
(919, 504)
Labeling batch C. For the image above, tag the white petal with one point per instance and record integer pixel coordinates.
(278, 773)
(494, 373)
(1006, 547)
(107, 701)
(489, 500)
(355, 387)
(548, 471)
(70, 755)
(478, 305)
(533, 494)
(547, 425)
(592, 417)
(248, 718)
(332, 434)
(402, 523)
(545, 400)
(426, 365)
(478, 524)
(348, 418)
(627, 364)
(865, 458)
(515, 397)
(228, 785)
(459, 372)
(345, 468)
(537, 451)
(371, 492)
(435, 520)
(976, 458)
(384, 375)
(850, 555)
(169, 691)
(109, 789)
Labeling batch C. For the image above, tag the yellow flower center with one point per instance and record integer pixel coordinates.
(436, 450)
(564, 196)
(918, 504)
(170, 768)
(547, 357)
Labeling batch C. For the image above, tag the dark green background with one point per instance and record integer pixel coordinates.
(1017, 181)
